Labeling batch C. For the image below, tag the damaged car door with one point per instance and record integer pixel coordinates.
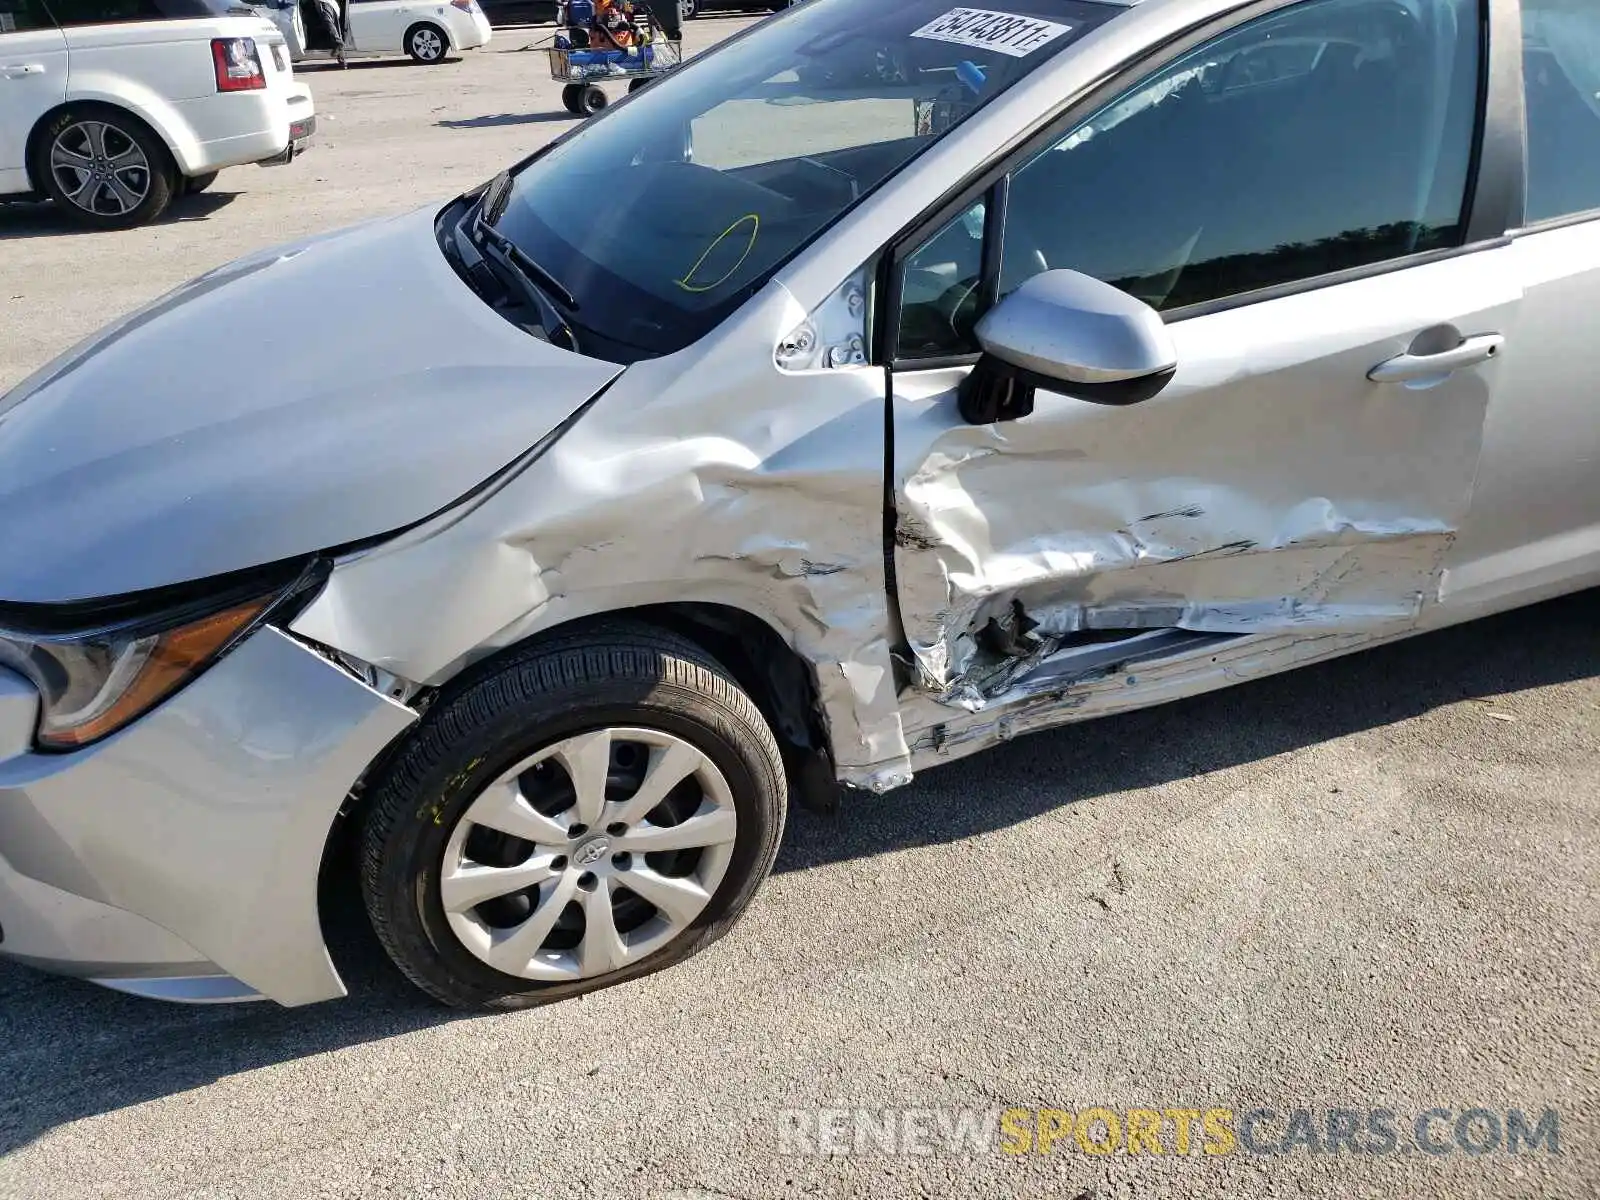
(1293, 197)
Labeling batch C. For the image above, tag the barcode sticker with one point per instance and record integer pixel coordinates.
(985, 29)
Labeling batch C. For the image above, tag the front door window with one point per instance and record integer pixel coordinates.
(1335, 134)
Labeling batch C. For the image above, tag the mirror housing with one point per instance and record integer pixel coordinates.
(1070, 333)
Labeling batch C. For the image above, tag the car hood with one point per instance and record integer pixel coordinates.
(299, 399)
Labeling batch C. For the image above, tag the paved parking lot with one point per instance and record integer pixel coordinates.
(1370, 885)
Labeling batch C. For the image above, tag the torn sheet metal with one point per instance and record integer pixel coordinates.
(1270, 489)
(710, 476)
(943, 734)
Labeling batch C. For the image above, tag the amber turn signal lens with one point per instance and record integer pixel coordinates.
(175, 657)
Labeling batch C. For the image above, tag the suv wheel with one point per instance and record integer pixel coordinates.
(104, 168)
(585, 813)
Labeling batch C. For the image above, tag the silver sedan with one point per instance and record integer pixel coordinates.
(888, 383)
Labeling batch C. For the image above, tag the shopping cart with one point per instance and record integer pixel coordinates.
(582, 60)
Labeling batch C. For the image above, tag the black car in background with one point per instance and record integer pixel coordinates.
(543, 12)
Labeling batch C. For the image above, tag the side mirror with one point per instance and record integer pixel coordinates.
(1069, 333)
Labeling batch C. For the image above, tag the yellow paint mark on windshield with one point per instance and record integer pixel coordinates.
(751, 219)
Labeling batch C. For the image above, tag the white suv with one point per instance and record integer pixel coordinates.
(112, 107)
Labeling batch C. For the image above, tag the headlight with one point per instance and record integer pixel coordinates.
(93, 681)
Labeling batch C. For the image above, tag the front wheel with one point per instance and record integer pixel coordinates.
(570, 96)
(426, 43)
(585, 813)
(104, 168)
(592, 99)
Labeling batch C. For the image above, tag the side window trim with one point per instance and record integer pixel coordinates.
(1492, 204)
(1550, 224)
(1498, 185)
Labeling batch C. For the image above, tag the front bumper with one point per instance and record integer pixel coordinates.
(180, 857)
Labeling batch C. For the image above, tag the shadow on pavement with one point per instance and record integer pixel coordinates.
(36, 220)
(69, 1050)
(316, 66)
(498, 119)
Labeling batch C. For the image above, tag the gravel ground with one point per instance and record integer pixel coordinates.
(1369, 885)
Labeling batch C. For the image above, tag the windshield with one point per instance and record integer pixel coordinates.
(664, 214)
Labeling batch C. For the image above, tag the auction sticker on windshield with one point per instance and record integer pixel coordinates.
(986, 29)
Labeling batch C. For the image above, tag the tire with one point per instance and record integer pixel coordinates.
(426, 43)
(195, 184)
(476, 742)
(635, 85)
(592, 99)
(688, 10)
(569, 98)
(144, 185)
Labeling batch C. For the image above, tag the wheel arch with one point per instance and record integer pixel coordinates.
(156, 115)
(762, 661)
(780, 680)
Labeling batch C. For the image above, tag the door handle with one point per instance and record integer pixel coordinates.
(18, 70)
(1408, 368)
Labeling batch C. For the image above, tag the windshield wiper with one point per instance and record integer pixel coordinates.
(491, 207)
(492, 204)
(512, 275)
(504, 248)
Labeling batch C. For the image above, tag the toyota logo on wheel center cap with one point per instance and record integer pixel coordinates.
(592, 851)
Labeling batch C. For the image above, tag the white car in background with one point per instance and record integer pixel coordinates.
(111, 114)
(425, 31)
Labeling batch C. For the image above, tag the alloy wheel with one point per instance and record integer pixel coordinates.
(100, 169)
(427, 44)
(588, 856)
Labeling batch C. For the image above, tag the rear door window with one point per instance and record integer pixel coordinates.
(1561, 70)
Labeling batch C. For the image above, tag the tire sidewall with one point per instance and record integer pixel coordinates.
(162, 172)
(413, 859)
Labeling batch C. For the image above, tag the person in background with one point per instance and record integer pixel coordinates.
(333, 28)
(614, 20)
